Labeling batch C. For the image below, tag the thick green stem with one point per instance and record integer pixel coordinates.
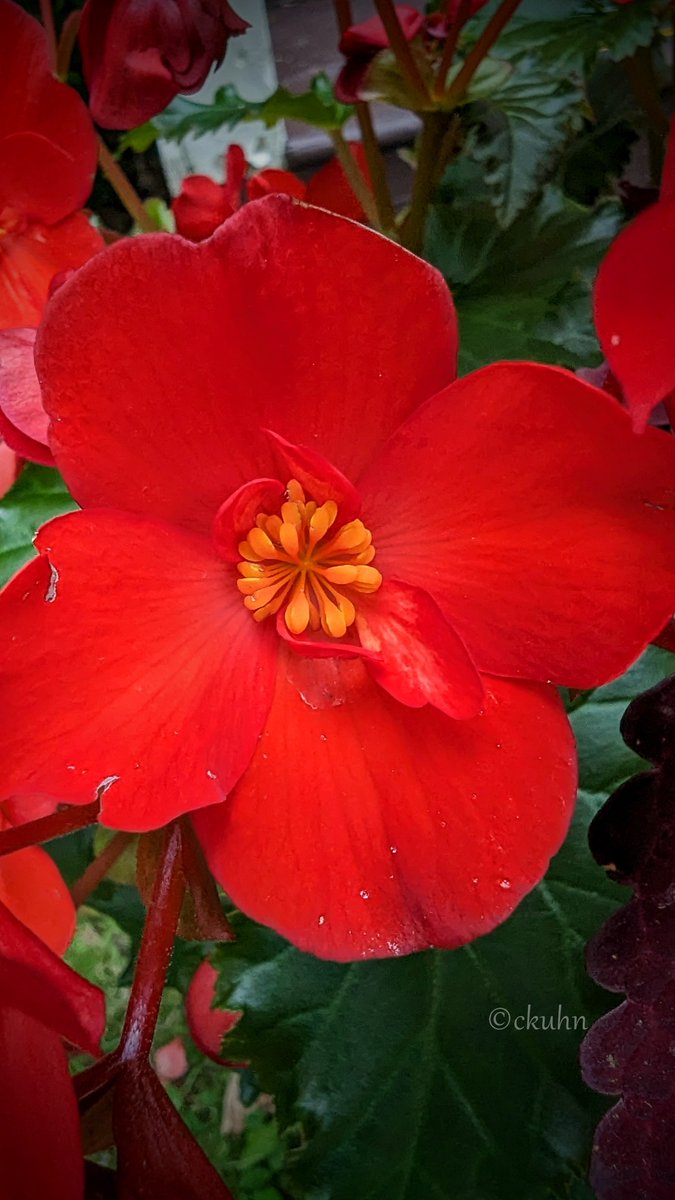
(474, 58)
(434, 130)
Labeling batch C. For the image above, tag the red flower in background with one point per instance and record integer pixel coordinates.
(47, 163)
(208, 1025)
(349, 627)
(138, 57)
(361, 43)
(203, 205)
(31, 886)
(42, 1002)
(10, 468)
(635, 302)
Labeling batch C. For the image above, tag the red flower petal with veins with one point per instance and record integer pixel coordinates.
(523, 533)
(181, 661)
(374, 359)
(362, 828)
(47, 142)
(509, 524)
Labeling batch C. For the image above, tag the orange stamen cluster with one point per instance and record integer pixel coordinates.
(291, 560)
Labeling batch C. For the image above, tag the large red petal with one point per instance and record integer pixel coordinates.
(635, 309)
(365, 828)
(30, 260)
(34, 980)
(541, 524)
(129, 663)
(47, 142)
(23, 420)
(40, 1143)
(151, 363)
(31, 886)
(425, 662)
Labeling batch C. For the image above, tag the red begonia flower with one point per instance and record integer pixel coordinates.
(634, 302)
(202, 204)
(47, 163)
(397, 762)
(138, 57)
(208, 1025)
(370, 36)
(42, 1001)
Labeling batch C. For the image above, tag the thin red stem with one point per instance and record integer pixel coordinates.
(374, 155)
(48, 22)
(402, 52)
(98, 869)
(66, 45)
(33, 833)
(478, 52)
(124, 189)
(450, 47)
(155, 953)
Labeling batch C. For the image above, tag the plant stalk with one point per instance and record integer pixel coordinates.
(482, 48)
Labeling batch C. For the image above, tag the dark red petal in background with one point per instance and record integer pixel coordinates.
(544, 527)
(425, 662)
(35, 981)
(635, 309)
(274, 182)
(329, 187)
(370, 36)
(157, 1155)
(167, 677)
(363, 828)
(200, 207)
(9, 468)
(160, 395)
(47, 142)
(40, 1144)
(23, 420)
(137, 57)
(30, 260)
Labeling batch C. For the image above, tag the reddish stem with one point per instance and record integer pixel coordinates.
(33, 833)
(124, 189)
(450, 47)
(155, 953)
(374, 156)
(478, 52)
(399, 45)
(48, 22)
(98, 869)
(66, 45)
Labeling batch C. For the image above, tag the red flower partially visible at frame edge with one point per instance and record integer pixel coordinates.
(634, 301)
(397, 764)
(47, 164)
(138, 57)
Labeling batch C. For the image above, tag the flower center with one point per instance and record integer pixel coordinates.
(292, 560)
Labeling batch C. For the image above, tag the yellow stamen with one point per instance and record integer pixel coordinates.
(288, 559)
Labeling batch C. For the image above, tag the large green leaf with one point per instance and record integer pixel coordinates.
(316, 107)
(522, 292)
(389, 1079)
(39, 494)
(571, 39)
(525, 128)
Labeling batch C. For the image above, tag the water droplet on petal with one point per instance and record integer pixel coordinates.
(50, 594)
(364, 894)
(322, 920)
(505, 883)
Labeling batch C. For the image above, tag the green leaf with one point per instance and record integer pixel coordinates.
(139, 139)
(524, 131)
(38, 495)
(316, 107)
(570, 41)
(389, 1080)
(522, 292)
